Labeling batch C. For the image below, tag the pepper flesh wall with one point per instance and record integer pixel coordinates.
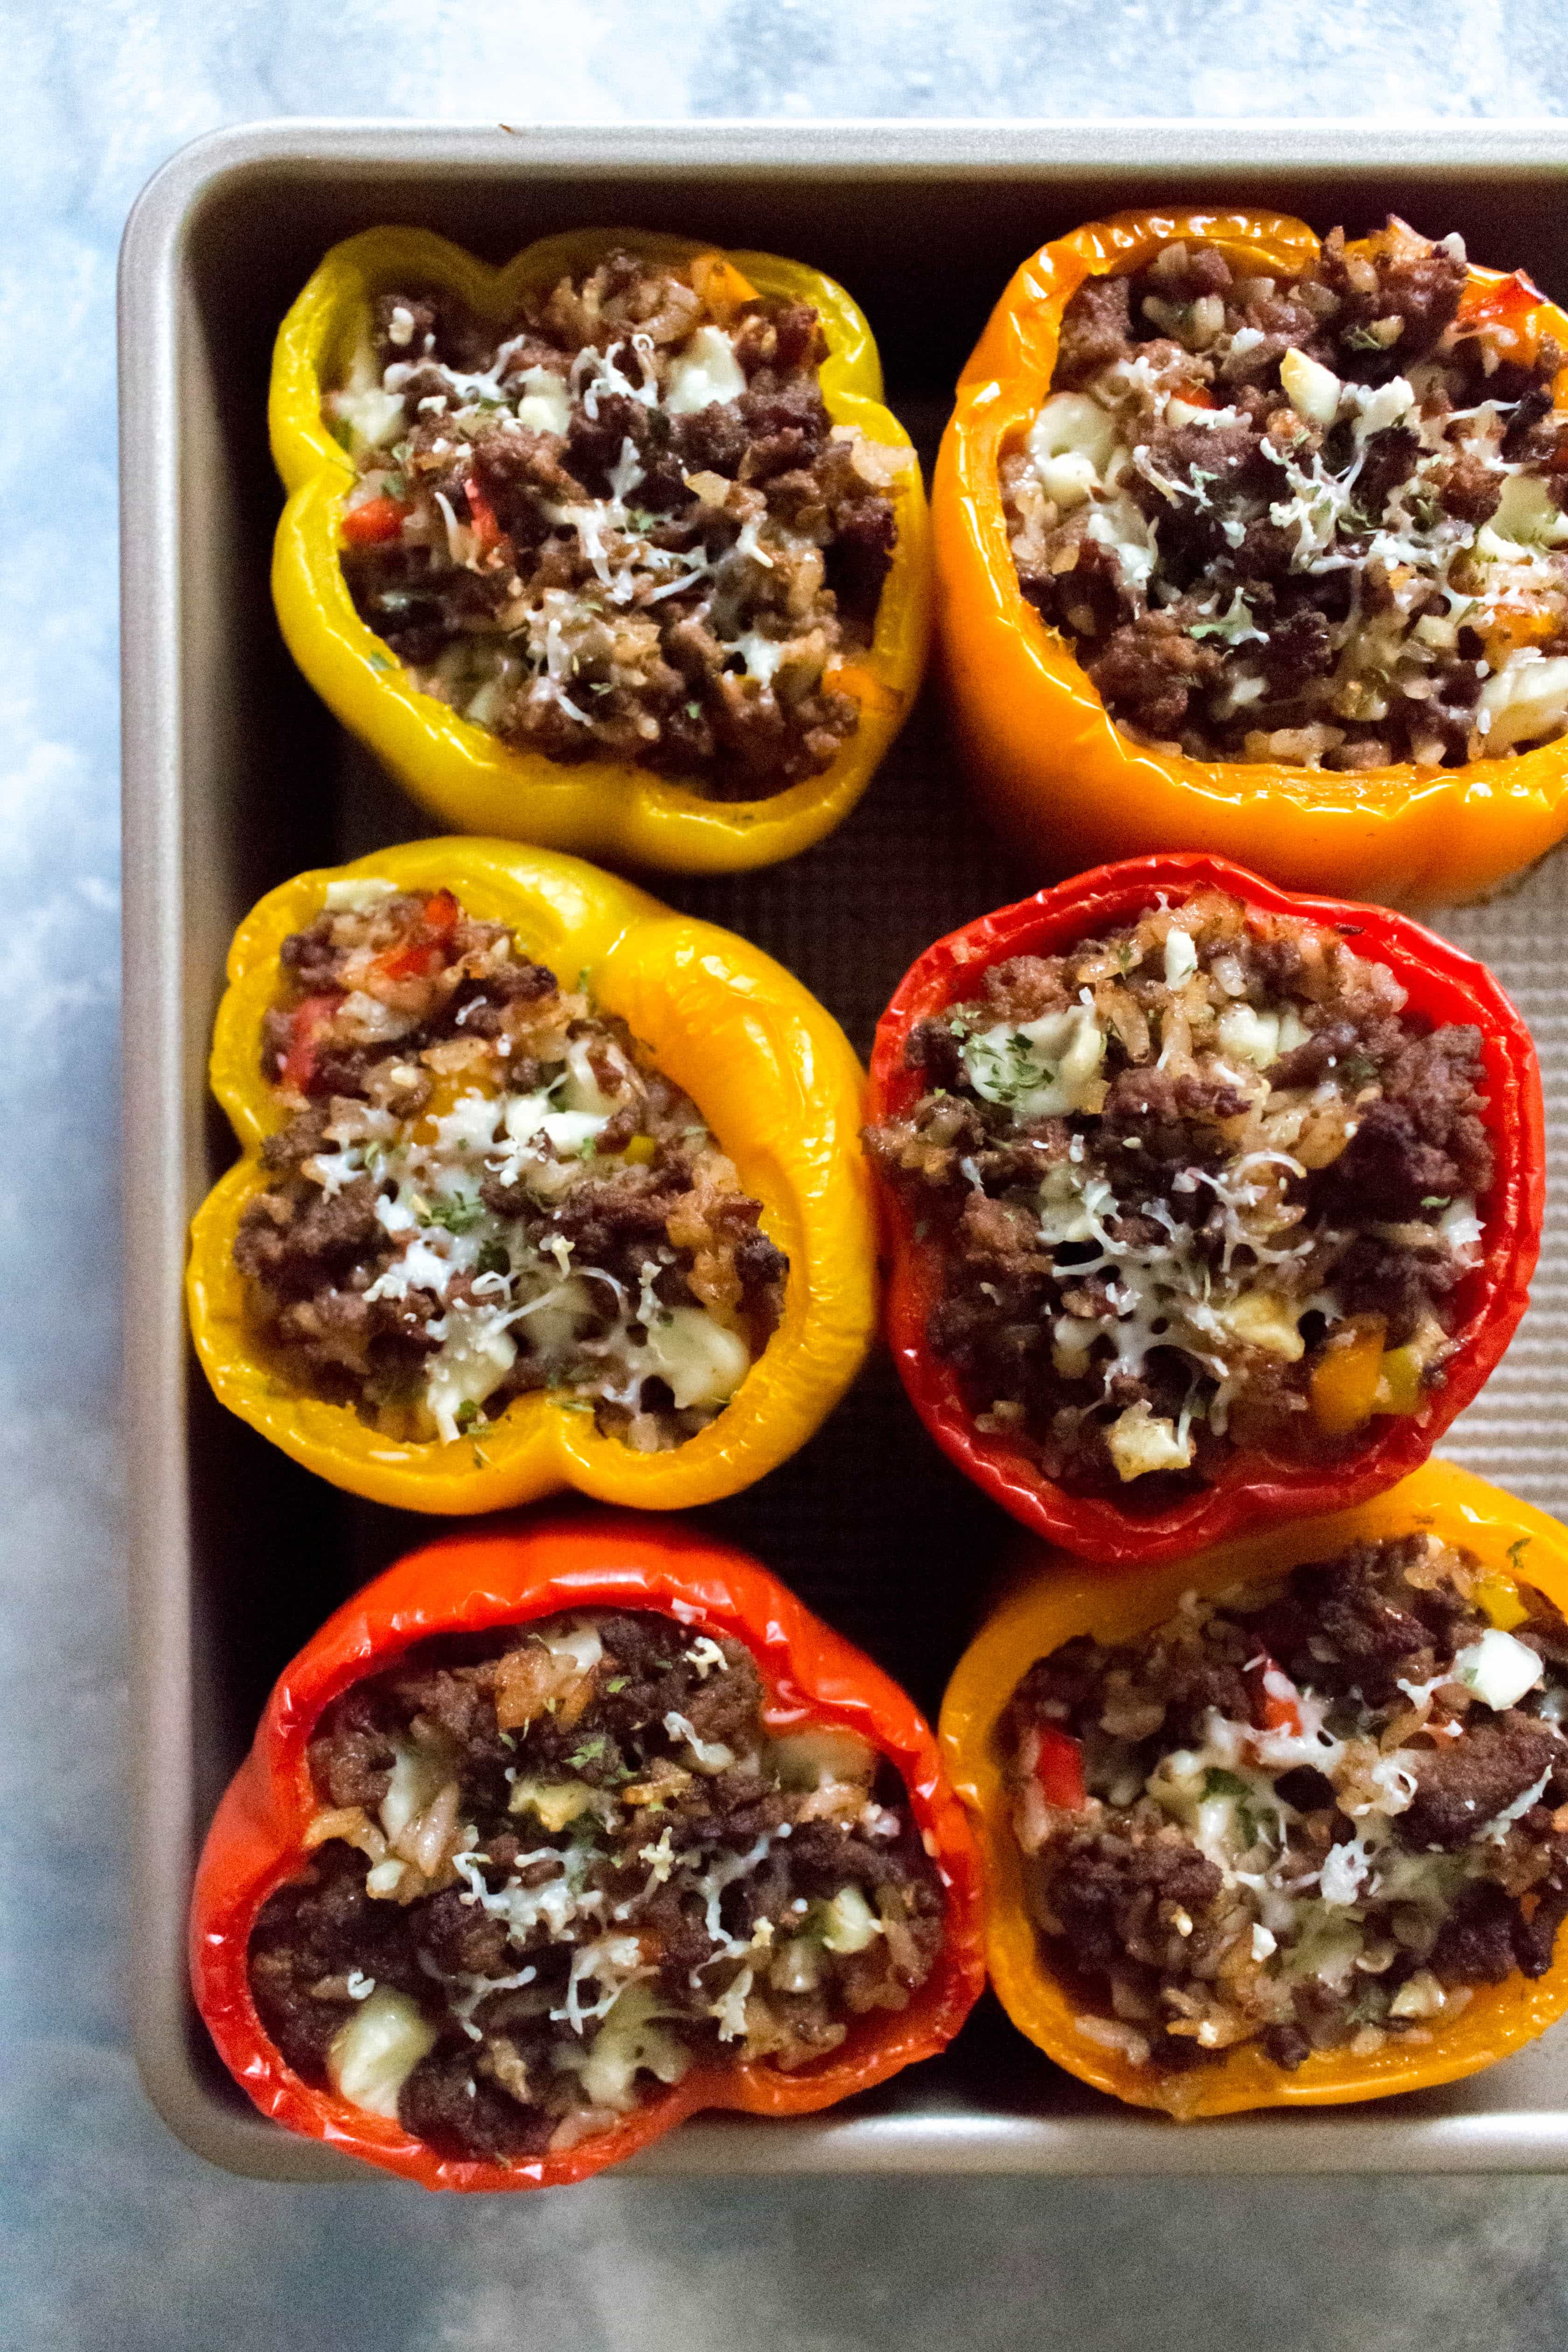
(651, 584)
(1362, 1894)
(554, 1835)
(1169, 618)
(1178, 1169)
(615, 1316)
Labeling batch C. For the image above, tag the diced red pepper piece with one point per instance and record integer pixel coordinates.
(419, 956)
(1506, 315)
(441, 912)
(1059, 1769)
(373, 521)
(487, 532)
(1276, 1702)
(309, 1019)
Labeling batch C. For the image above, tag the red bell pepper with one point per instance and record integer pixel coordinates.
(426, 948)
(510, 1576)
(487, 532)
(1443, 984)
(1276, 1702)
(373, 522)
(309, 1017)
(1059, 1769)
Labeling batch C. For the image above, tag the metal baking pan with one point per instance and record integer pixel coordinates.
(234, 777)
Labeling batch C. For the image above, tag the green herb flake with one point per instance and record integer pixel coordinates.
(617, 1683)
(493, 1258)
(454, 1216)
(1435, 1200)
(1217, 1782)
(1516, 1552)
(588, 1753)
(1362, 339)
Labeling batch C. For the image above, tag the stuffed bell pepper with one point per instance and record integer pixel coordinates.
(1251, 542)
(1208, 1202)
(615, 549)
(550, 1837)
(484, 1241)
(1285, 1823)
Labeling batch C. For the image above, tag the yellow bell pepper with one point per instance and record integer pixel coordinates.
(1046, 757)
(468, 777)
(1054, 1603)
(774, 1076)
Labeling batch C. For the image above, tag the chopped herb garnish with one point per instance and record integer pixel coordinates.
(455, 1215)
(1435, 1200)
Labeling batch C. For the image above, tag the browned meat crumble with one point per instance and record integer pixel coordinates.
(1312, 1820)
(552, 1867)
(485, 1188)
(1315, 519)
(1173, 1175)
(624, 528)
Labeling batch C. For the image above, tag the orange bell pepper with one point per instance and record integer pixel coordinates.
(1052, 1603)
(471, 1584)
(1047, 760)
(769, 1067)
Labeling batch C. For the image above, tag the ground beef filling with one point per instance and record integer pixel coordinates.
(1313, 1822)
(552, 1868)
(1200, 1185)
(484, 1188)
(626, 529)
(1316, 518)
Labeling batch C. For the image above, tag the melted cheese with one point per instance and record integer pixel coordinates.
(1141, 1441)
(1498, 1669)
(1039, 1069)
(372, 2057)
(707, 371)
(700, 1361)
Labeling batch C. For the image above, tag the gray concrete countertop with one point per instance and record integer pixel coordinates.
(117, 2238)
